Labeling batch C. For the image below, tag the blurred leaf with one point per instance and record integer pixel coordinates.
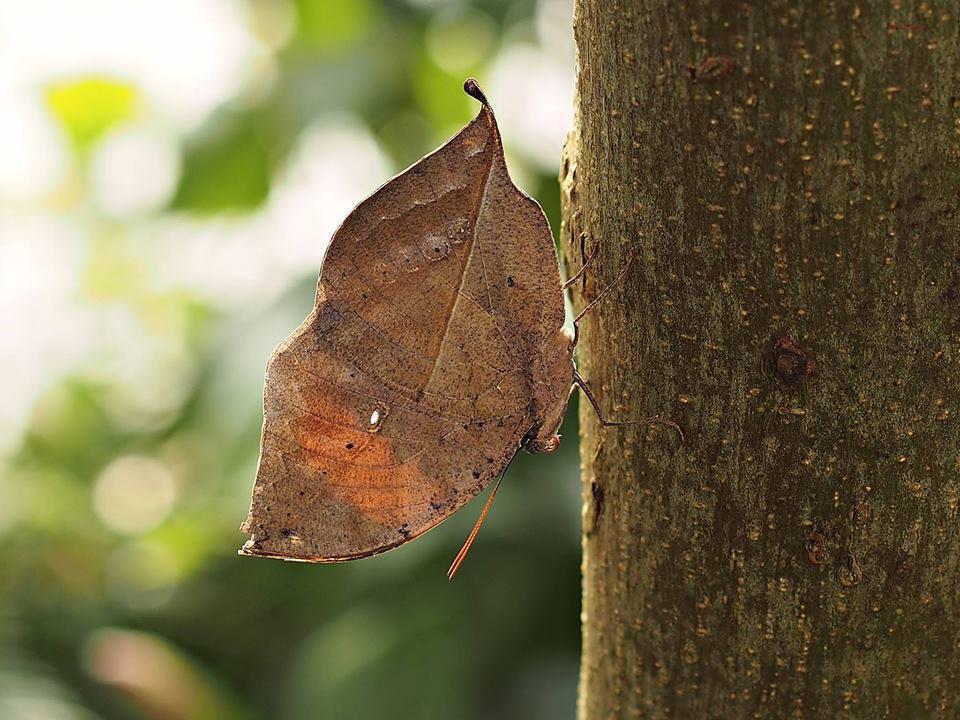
(89, 107)
(225, 168)
(156, 676)
(333, 24)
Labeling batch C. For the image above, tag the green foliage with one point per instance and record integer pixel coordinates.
(225, 167)
(334, 25)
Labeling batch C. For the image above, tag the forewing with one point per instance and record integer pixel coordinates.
(409, 387)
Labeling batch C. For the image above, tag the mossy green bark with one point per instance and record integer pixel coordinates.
(788, 177)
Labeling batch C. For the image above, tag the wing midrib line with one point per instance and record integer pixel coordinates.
(455, 300)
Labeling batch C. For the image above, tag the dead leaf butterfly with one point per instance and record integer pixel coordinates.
(435, 351)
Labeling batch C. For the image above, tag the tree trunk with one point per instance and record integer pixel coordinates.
(787, 176)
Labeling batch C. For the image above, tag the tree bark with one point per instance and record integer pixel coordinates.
(787, 176)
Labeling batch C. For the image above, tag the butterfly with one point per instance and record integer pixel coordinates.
(435, 351)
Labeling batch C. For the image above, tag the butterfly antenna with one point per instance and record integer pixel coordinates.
(607, 290)
(461, 556)
(576, 276)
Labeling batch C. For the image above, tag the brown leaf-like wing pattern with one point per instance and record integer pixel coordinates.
(428, 356)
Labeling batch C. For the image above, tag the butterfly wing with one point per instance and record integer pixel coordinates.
(413, 381)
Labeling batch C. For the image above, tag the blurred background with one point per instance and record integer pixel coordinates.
(170, 174)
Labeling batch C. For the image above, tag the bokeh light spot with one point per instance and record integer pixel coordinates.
(134, 494)
(32, 148)
(459, 39)
(135, 170)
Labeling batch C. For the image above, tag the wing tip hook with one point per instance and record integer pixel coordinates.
(472, 88)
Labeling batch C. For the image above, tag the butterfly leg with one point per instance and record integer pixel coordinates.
(652, 420)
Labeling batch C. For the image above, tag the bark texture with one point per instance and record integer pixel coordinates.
(788, 177)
